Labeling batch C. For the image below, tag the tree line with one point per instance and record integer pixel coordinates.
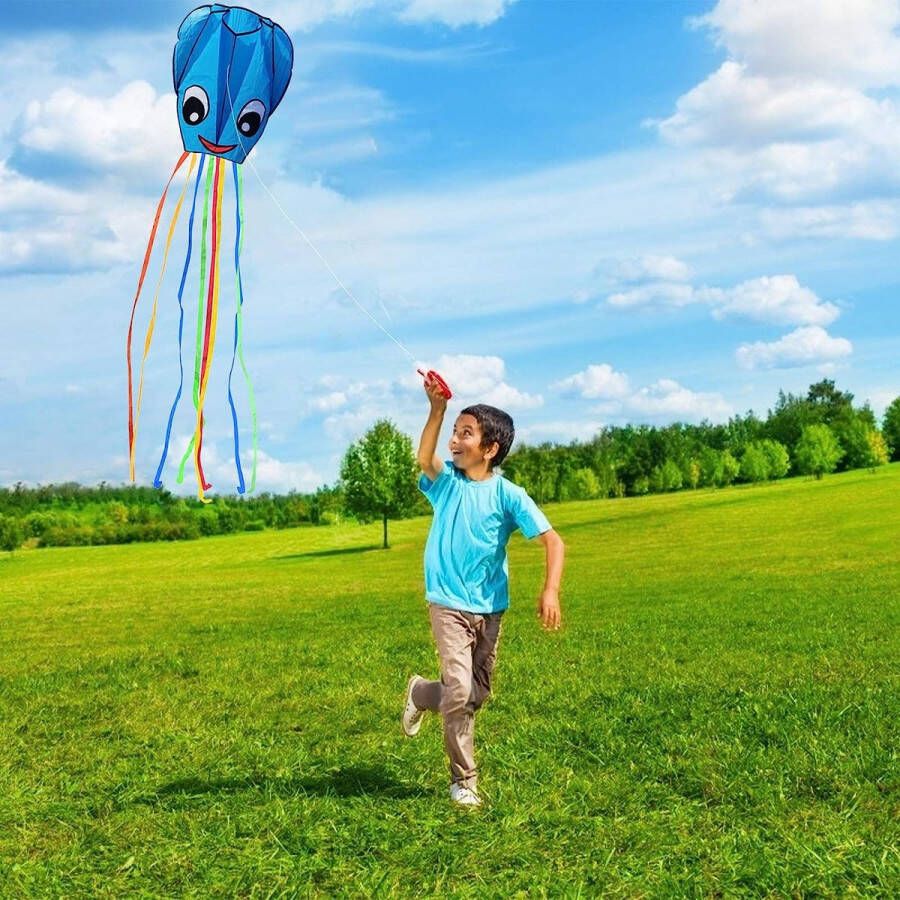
(812, 434)
(70, 514)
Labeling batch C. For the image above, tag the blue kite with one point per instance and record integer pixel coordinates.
(231, 68)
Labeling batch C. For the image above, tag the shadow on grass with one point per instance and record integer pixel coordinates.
(315, 554)
(346, 781)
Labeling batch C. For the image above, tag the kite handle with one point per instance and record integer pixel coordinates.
(433, 376)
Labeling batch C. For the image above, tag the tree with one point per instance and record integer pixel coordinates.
(666, 477)
(378, 475)
(692, 473)
(11, 535)
(754, 464)
(817, 451)
(878, 452)
(853, 434)
(730, 469)
(777, 457)
(581, 484)
(710, 467)
(824, 395)
(890, 428)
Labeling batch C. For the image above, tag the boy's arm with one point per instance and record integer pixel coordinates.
(548, 603)
(429, 462)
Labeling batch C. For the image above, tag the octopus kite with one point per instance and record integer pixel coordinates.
(231, 68)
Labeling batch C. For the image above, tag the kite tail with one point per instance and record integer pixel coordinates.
(134, 304)
(198, 350)
(238, 349)
(209, 335)
(157, 481)
(148, 338)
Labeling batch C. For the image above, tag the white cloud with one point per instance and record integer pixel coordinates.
(854, 41)
(656, 293)
(788, 114)
(329, 402)
(652, 268)
(274, 475)
(806, 346)
(881, 398)
(455, 12)
(335, 153)
(669, 401)
(664, 400)
(564, 431)
(734, 107)
(18, 194)
(878, 220)
(294, 16)
(133, 129)
(595, 382)
(279, 476)
(779, 299)
(482, 379)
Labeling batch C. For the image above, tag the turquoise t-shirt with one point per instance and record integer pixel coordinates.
(465, 556)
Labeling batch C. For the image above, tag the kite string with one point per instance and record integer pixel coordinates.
(309, 243)
(157, 481)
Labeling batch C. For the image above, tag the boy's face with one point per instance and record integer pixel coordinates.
(465, 444)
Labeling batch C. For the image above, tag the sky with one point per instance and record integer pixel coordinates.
(586, 212)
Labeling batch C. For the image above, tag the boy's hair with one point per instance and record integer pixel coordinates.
(495, 425)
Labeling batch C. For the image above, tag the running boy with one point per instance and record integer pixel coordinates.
(475, 512)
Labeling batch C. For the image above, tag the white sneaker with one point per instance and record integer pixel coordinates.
(412, 715)
(463, 796)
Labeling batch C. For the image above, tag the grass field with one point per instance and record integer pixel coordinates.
(718, 716)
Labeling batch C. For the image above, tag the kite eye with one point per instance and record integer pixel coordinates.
(251, 118)
(195, 105)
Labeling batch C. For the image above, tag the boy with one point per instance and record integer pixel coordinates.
(475, 512)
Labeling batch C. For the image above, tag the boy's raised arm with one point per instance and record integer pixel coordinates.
(429, 462)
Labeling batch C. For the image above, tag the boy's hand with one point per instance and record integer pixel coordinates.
(435, 394)
(548, 609)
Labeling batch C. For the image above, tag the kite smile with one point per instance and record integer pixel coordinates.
(216, 148)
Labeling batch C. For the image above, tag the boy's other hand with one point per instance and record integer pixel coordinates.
(435, 394)
(548, 610)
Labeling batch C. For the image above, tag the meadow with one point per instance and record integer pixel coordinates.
(718, 716)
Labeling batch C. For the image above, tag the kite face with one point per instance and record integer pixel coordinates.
(231, 68)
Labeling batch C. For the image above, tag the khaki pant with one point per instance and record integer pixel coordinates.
(467, 646)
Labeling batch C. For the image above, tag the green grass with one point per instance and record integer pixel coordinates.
(220, 717)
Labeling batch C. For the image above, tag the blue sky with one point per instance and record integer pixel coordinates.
(588, 213)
